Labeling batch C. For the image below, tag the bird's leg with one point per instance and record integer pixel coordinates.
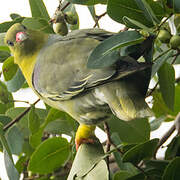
(84, 134)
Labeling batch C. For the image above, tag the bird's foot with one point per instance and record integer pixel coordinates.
(84, 135)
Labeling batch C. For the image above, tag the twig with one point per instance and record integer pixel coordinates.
(108, 142)
(152, 90)
(65, 6)
(19, 117)
(164, 138)
(98, 18)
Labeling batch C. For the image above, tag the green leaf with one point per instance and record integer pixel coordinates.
(37, 23)
(159, 61)
(148, 12)
(172, 170)
(33, 121)
(141, 151)
(20, 163)
(166, 76)
(130, 9)
(6, 25)
(138, 129)
(14, 16)
(6, 98)
(59, 122)
(9, 69)
(16, 82)
(2, 36)
(173, 149)
(175, 5)
(15, 140)
(38, 9)
(88, 2)
(50, 155)
(10, 167)
(118, 157)
(4, 119)
(92, 11)
(4, 55)
(106, 53)
(122, 175)
(36, 138)
(156, 123)
(88, 163)
(131, 23)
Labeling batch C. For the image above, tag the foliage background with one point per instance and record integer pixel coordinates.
(166, 112)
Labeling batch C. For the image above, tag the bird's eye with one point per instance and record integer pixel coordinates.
(9, 43)
(24, 27)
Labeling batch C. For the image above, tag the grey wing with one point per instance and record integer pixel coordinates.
(61, 73)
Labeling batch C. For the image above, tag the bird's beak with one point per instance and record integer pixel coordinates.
(21, 36)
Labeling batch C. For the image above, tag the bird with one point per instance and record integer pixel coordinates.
(55, 67)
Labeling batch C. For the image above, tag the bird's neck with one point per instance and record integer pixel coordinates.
(27, 61)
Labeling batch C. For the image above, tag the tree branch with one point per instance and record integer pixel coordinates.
(19, 117)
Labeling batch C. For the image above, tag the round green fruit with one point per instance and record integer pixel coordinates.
(175, 41)
(60, 28)
(164, 36)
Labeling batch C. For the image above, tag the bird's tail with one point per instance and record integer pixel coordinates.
(125, 101)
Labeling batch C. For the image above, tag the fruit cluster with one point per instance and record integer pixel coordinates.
(60, 19)
(165, 37)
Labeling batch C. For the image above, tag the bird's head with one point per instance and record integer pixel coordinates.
(23, 41)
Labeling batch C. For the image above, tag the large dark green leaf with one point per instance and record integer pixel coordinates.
(107, 53)
(117, 9)
(174, 4)
(134, 131)
(172, 170)
(9, 69)
(9, 164)
(166, 76)
(50, 155)
(15, 140)
(6, 99)
(173, 149)
(38, 9)
(38, 23)
(122, 175)
(3, 55)
(87, 2)
(16, 82)
(6, 25)
(141, 151)
(88, 163)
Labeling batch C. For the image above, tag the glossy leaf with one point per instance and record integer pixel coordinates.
(16, 82)
(148, 12)
(20, 163)
(88, 2)
(4, 119)
(35, 139)
(156, 123)
(89, 160)
(6, 25)
(174, 4)
(130, 9)
(173, 149)
(9, 69)
(3, 55)
(14, 16)
(172, 170)
(141, 151)
(15, 140)
(159, 62)
(38, 23)
(33, 121)
(38, 9)
(10, 167)
(138, 130)
(166, 76)
(50, 155)
(107, 53)
(6, 98)
(122, 175)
